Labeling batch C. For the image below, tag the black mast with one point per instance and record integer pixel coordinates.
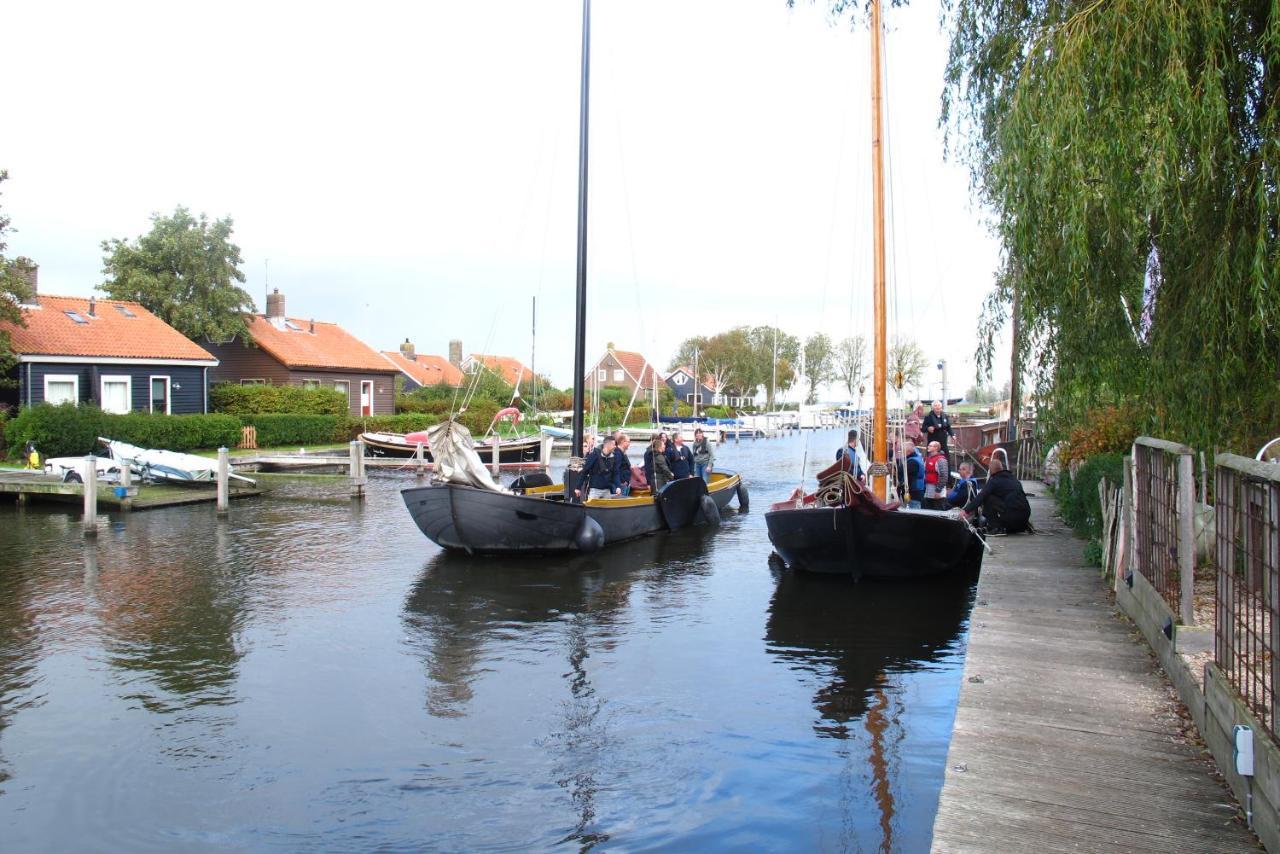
(580, 324)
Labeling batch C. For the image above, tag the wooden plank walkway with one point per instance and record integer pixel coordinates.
(1066, 735)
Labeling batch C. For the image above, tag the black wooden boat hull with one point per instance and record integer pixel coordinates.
(480, 521)
(527, 450)
(892, 544)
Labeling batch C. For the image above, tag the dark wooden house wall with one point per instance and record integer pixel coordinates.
(186, 383)
(239, 363)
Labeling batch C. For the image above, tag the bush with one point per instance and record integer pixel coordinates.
(236, 399)
(1107, 430)
(67, 430)
(1078, 495)
(282, 429)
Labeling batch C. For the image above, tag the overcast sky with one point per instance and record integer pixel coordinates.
(409, 169)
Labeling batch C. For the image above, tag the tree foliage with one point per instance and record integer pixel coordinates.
(742, 360)
(185, 271)
(850, 363)
(906, 364)
(13, 292)
(1129, 151)
(819, 363)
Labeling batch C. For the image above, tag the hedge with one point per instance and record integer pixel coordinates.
(68, 430)
(236, 399)
(1078, 497)
(278, 429)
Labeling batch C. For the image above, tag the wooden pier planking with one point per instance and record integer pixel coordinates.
(1065, 736)
(51, 488)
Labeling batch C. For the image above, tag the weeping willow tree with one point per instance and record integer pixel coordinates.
(1129, 151)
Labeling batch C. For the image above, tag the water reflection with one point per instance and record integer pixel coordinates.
(853, 639)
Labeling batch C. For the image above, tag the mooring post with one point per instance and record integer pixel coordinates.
(90, 496)
(544, 450)
(224, 482)
(357, 469)
(496, 454)
(420, 460)
(1187, 536)
(126, 482)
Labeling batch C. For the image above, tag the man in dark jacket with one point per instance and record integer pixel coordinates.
(600, 472)
(621, 443)
(936, 426)
(914, 465)
(1003, 502)
(680, 458)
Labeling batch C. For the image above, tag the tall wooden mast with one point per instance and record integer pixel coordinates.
(879, 452)
(580, 311)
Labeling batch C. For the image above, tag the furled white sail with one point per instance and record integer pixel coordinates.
(456, 459)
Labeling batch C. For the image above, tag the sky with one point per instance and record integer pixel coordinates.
(409, 170)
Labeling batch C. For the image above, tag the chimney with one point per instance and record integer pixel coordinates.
(28, 273)
(93, 305)
(313, 326)
(455, 353)
(407, 350)
(275, 305)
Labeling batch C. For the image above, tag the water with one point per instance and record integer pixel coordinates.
(314, 675)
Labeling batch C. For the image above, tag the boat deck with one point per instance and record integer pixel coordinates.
(1067, 737)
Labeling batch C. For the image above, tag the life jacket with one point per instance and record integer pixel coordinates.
(931, 468)
(917, 483)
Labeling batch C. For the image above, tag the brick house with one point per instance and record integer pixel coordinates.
(623, 369)
(288, 351)
(111, 353)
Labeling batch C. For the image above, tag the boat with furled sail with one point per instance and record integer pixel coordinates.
(847, 526)
(465, 509)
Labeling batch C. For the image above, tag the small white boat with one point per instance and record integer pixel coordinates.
(170, 466)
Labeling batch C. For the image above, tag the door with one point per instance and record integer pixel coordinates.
(366, 397)
(160, 395)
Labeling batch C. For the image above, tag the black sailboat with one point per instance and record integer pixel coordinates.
(848, 528)
(542, 518)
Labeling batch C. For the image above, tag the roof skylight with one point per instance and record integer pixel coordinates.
(125, 311)
(77, 318)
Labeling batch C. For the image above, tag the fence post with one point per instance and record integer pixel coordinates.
(90, 496)
(224, 483)
(1187, 537)
(544, 451)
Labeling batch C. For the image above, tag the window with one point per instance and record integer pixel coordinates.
(253, 382)
(311, 384)
(160, 395)
(617, 375)
(680, 379)
(62, 388)
(125, 311)
(602, 375)
(344, 387)
(77, 318)
(116, 394)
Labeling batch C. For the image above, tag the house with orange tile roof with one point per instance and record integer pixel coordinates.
(623, 369)
(287, 350)
(419, 370)
(111, 353)
(511, 370)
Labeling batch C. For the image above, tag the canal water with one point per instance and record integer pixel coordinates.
(312, 674)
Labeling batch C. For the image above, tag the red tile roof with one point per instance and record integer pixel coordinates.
(635, 365)
(506, 367)
(426, 370)
(109, 333)
(328, 346)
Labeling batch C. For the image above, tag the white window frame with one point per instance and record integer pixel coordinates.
(602, 375)
(74, 379)
(311, 384)
(116, 378)
(344, 386)
(253, 382)
(168, 393)
(618, 375)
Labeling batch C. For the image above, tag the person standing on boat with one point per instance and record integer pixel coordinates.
(937, 426)
(657, 473)
(914, 473)
(857, 459)
(936, 472)
(966, 487)
(703, 457)
(600, 473)
(1003, 501)
(911, 428)
(679, 458)
(621, 443)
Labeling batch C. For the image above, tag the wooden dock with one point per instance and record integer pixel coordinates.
(29, 485)
(1067, 737)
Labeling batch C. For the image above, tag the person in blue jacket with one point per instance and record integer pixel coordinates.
(915, 473)
(680, 458)
(966, 487)
(622, 442)
(600, 472)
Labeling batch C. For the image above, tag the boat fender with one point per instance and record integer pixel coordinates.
(710, 512)
(590, 536)
(744, 498)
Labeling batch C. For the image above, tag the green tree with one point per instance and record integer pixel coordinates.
(13, 292)
(1130, 152)
(906, 364)
(851, 363)
(819, 363)
(185, 271)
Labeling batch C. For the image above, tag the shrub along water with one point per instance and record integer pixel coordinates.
(68, 430)
(236, 399)
(1078, 498)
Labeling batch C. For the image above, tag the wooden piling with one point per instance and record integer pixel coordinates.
(224, 491)
(357, 469)
(544, 451)
(90, 496)
(497, 451)
(126, 481)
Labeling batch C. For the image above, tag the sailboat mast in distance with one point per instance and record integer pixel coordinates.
(580, 323)
(879, 452)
